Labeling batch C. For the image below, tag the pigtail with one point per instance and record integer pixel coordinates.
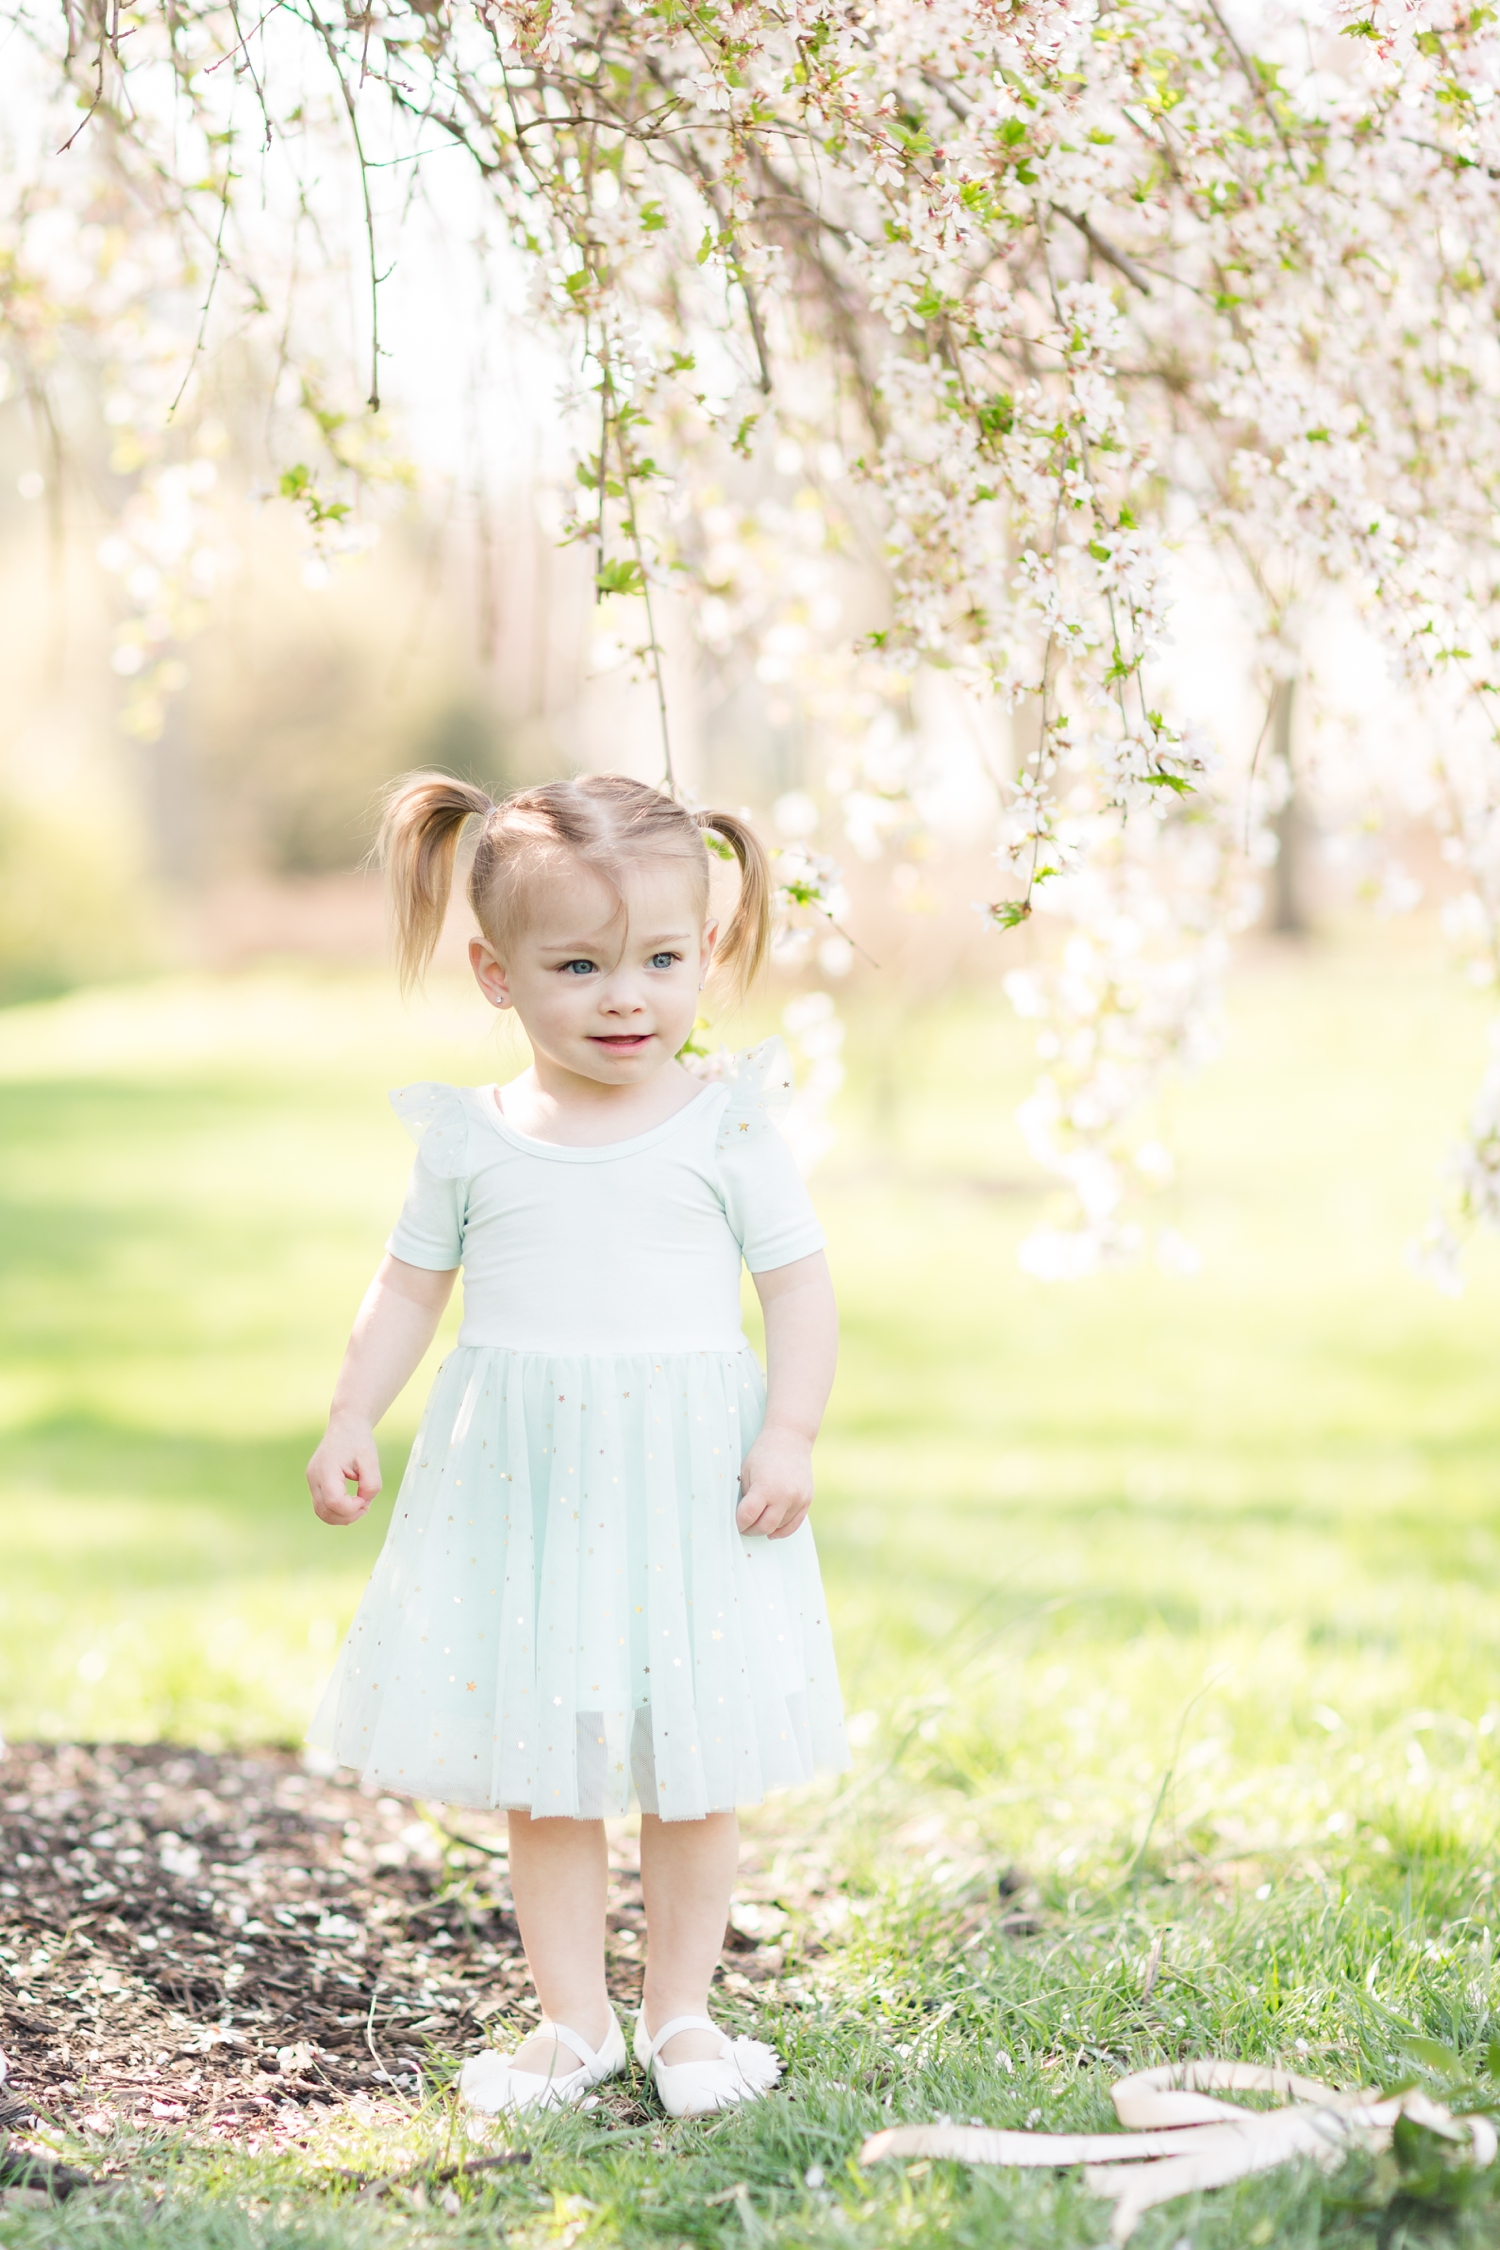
(422, 821)
(742, 950)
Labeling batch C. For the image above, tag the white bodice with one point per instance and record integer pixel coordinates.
(634, 1247)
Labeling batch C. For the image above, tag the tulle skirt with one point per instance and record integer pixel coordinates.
(565, 1617)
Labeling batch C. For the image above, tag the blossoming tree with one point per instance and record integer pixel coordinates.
(1039, 288)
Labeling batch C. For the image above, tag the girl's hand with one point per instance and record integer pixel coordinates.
(347, 1455)
(392, 1329)
(777, 1482)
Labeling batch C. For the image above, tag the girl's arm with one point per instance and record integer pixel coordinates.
(392, 1329)
(802, 1344)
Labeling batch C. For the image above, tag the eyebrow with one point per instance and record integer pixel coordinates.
(567, 946)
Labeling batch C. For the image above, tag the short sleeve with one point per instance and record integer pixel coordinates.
(765, 1197)
(430, 1230)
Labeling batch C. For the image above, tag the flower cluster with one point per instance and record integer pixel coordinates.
(915, 333)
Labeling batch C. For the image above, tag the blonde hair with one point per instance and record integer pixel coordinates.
(604, 822)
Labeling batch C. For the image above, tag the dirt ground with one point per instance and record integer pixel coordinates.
(230, 1942)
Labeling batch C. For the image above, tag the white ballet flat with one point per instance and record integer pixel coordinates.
(491, 2083)
(745, 2070)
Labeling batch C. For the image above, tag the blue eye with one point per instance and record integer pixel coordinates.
(663, 960)
(578, 968)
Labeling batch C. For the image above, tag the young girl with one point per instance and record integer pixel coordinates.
(598, 1579)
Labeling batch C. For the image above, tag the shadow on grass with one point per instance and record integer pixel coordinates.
(168, 1509)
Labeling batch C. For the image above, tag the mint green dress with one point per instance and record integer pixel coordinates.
(565, 1617)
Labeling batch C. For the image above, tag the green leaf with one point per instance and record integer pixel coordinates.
(1011, 913)
(741, 439)
(297, 484)
(624, 577)
(997, 415)
(1364, 30)
(1433, 2055)
(1172, 781)
(1099, 551)
(653, 218)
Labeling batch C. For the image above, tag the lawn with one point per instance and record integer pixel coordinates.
(1177, 1598)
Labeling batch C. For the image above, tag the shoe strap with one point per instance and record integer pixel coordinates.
(565, 2036)
(683, 2023)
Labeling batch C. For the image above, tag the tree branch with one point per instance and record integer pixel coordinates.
(1104, 248)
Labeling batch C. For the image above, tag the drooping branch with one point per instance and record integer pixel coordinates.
(1272, 312)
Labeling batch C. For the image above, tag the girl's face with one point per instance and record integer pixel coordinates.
(607, 995)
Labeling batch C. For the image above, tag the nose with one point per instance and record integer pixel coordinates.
(621, 998)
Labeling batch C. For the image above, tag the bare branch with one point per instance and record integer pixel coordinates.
(1105, 249)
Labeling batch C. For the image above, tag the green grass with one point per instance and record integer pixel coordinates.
(1179, 1595)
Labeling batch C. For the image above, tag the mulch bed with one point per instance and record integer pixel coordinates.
(233, 1943)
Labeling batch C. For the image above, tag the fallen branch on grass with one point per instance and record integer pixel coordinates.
(442, 2175)
(1190, 2143)
(20, 2168)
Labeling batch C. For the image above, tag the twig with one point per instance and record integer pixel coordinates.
(388, 2075)
(377, 2182)
(604, 387)
(1452, 156)
(656, 663)
(98, 94)
(710, 193)
(19, 2169)
(364, 185)
(632, 526)
(1105, 249)
(213, 282)
(1254, 81)
(1265, 728)
(243, 41)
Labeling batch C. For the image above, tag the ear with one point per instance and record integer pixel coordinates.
(489, 973)
(706, 952)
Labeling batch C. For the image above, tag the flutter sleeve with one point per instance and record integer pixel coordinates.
(765, 1198)
(430, 1230)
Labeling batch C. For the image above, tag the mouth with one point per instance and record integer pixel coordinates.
(621, 1042)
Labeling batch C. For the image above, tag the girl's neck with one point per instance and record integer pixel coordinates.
(551, 1103)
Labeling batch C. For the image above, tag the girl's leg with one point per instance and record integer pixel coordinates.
(559, 1874)
(687, 1874)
